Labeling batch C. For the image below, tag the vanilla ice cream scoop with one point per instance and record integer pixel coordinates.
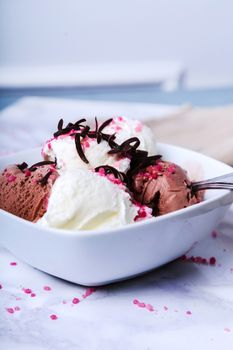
(85, 200)
(63, 147)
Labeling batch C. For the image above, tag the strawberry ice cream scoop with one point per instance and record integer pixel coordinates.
(25, 191)
(164, 187)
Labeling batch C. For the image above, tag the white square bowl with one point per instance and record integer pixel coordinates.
(94, 258)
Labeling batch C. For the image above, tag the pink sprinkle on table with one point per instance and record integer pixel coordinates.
(17, 308)
(142, 305)
(27, 290)
(13, 263)
(10, 310)
(47, 288)
(135, 301)
(53, 317)
(75, 301)
(33, 295)
(0, 286)
(227, 330)
(88, 292)
(214, 234)
(150, 307)
(212, 260)
(188, 313)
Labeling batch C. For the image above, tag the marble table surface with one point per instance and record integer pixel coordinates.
(186, 304)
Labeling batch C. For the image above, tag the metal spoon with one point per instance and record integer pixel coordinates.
(214, 183)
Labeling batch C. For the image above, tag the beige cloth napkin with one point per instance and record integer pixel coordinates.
(206, 130)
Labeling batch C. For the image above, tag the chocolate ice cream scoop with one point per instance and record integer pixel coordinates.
(25, 191)
(165, 187)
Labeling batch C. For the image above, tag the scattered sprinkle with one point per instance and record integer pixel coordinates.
(214, 234)
(188, 313)
(88, 292)
(150, 307)
(33, 295)
(0, 286)
(27, 290)
(212, 260)
(13, 263)
(10, 310)
(47, 288)
(199, 260)
(16, 308)
(227, 330)
(75, 301)
(53, 317)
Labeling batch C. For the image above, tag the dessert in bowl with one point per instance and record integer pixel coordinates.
(96, 249)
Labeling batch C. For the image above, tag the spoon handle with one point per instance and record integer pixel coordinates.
(212, 186)
(215, 179)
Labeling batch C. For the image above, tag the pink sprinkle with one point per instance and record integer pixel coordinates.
(212, 260)
(141, 304)
(27, 173)
(188, 313)
(49, 145)
(139, 127)
(227, 330)
(33, 295)
(75, 301)
(64, 302)
(10, 310)
(17, 308)
(53, 317)
(88, 292)
(101, 171)
(214, 234)
(149, 307)
(18, 298)
(121, 119)
(47, 288)
(11, 178)
(165, 308)
(0, 286)
(135, 301)
(13, 263)
(27, 290)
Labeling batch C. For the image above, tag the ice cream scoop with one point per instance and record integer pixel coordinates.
(164, 187)
(85, 200)
(25, 191)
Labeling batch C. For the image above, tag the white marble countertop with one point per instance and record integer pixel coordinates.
(183, 305)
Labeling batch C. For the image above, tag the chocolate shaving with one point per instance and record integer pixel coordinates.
(111, 170)
(104, 124)
(60, 124)
(79, 148)
(45, 178)
(70, 126)
(125, 149)
(22, 166)
(45, 162)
